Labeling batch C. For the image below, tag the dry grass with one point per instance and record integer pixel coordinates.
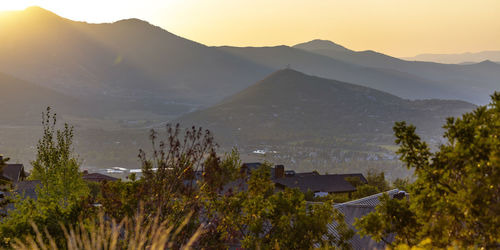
(134, 233)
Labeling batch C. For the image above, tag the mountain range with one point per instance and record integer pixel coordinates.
(117, 80)
(462, 58)
(412, 80)
(129, 61)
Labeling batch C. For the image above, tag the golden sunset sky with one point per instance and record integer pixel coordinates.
(396, 27)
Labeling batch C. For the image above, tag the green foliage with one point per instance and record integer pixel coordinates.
(45, 214)
(5, 187)
(62, 195)
(391, 216)
(55, 166)
(402, 184)
(377, 180)
(120, 199)
(281, 219)
(456, 194)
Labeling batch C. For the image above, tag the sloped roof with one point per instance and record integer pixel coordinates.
(13, 172)
(28, 188)
(358, 175)
(357, 209)
(317, 183)
(98, 177)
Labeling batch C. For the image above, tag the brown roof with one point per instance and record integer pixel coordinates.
(13, 172)
(98, 177)
(317, 183)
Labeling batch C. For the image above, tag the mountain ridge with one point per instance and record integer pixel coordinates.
(288, 98)
(471, 83)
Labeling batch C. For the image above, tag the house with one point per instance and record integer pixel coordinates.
(321, 185)
(356, 209)
(96, 177)
(13, 172)
(278, 170)
(332, 183)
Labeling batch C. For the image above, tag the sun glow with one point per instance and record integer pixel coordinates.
(395, 27)
(6, 5)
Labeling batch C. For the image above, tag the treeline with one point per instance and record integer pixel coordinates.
(225, 206)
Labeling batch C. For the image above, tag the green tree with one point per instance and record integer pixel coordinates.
(284, 219)
(56, 166)
(62, 195)
(5, 187)
(455, 198)
(228, 203)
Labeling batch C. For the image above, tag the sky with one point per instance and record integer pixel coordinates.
(396, 27)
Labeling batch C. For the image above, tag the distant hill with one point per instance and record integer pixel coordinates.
(289, 106)
(470, 83)
(392, 81)
(457, 58)
(319, 44)
(129, 60)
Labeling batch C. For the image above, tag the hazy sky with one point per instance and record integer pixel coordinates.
(395, 27)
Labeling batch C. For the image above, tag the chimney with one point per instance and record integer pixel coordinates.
(279, 171)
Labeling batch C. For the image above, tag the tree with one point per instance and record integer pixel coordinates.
(184, 177)
(55, 165)
(62, 195)
(284, 219)
(455, 198)
(5, 187)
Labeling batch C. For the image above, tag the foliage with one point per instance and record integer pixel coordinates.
(120, 199)
(5, 187)
(168, 184)
(402, 184)
(43, 213)
(55, 166)
(265, 219)
(130, 233)
(183, 178)
(392, 215)
(62, 195)
(456, 194)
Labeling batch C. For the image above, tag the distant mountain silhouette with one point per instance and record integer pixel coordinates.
(396, 82)
(129, 60)
(319, 44)
(470, 83)
(289, 106)
(457, 58)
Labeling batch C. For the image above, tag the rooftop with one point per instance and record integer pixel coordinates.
(332, 183)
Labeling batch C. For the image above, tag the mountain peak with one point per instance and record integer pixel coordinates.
(487, 62)
(136, 21)
(319, 44)
(39, 11)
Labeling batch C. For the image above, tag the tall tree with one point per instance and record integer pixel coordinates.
(61, 197)
(456, 194)
(56, 166)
